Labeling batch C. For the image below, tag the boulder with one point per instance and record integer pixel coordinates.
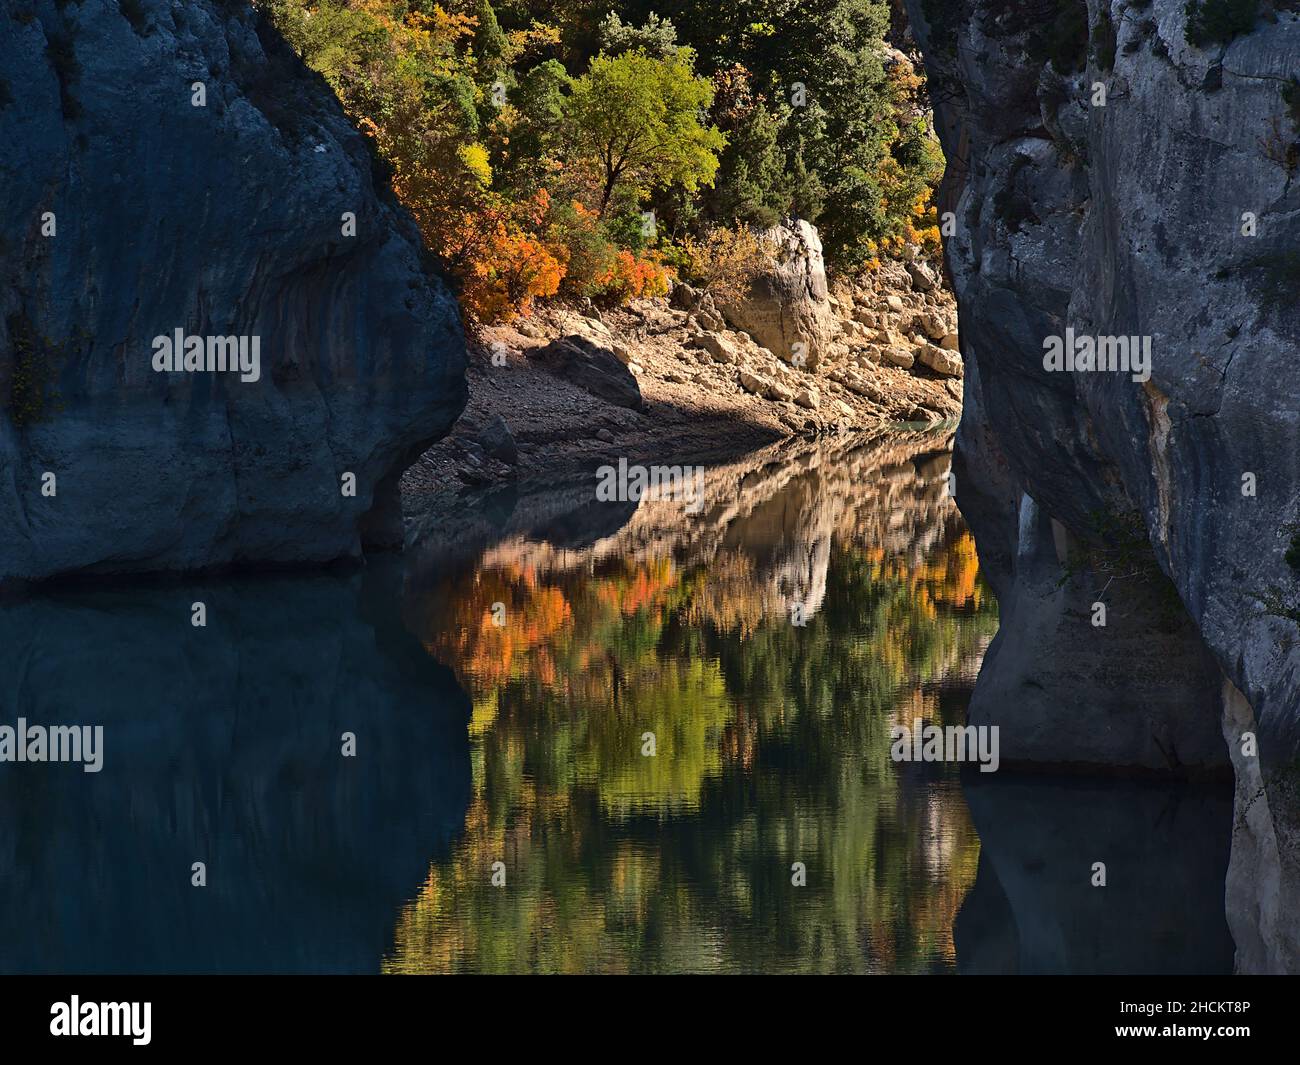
(497, 441)
(900, 357)
(929, 324)
(940, 361)
(864, 387)
(684, 297)
(808, 397)
(923, 279)
(722, 349)
(593, 368)
(787, 307)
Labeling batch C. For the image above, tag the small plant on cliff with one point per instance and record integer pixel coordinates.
(1063, 39)
(1118, 548)
(30, 393)
(1103, 42)
(1275, 605)
(1218, 21)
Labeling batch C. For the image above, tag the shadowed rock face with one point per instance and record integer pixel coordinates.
(220, 220)
(1126, 220)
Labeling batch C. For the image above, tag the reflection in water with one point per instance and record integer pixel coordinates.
(222, 745)
(772, 737)
(767, 644)
(1034, 909)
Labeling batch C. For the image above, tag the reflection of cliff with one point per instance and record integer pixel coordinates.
(222, 745)
(1034, 908)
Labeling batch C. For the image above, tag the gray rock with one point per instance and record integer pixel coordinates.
(591, 367)
(930, 325)
(923, 279)
(219, 221)
(1090, 487)
(719, 347)
(684, 297)
(778, 392)
(751, 382)
(497, 441)
(941, 362)
(808, 397)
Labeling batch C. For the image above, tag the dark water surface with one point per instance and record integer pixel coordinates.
(522, 743)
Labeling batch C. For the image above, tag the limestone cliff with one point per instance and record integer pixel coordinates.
(174, 167)
(1108, 176)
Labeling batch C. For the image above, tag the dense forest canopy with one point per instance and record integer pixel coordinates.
(596, 147)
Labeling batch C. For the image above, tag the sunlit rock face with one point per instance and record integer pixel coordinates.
(1163, 206)
(1125, 218)
(131, 213)
(786, 308)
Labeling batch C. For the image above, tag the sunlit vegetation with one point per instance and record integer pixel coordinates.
(576, 149)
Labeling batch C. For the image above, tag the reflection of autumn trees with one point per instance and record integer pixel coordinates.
(773, 746)
(950, 577)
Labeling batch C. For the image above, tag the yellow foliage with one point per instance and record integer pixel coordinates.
(726, 260)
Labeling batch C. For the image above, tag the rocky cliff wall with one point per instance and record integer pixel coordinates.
(1109, 177)
(172, 166)
(1116, 200)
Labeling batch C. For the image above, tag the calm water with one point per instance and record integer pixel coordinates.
(501, 679)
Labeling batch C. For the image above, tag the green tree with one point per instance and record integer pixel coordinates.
(633, 125)
(490, 44)
(753, 185)
(658, 36)
(528, 161)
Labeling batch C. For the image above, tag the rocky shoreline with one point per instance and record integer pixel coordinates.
(570, 387)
